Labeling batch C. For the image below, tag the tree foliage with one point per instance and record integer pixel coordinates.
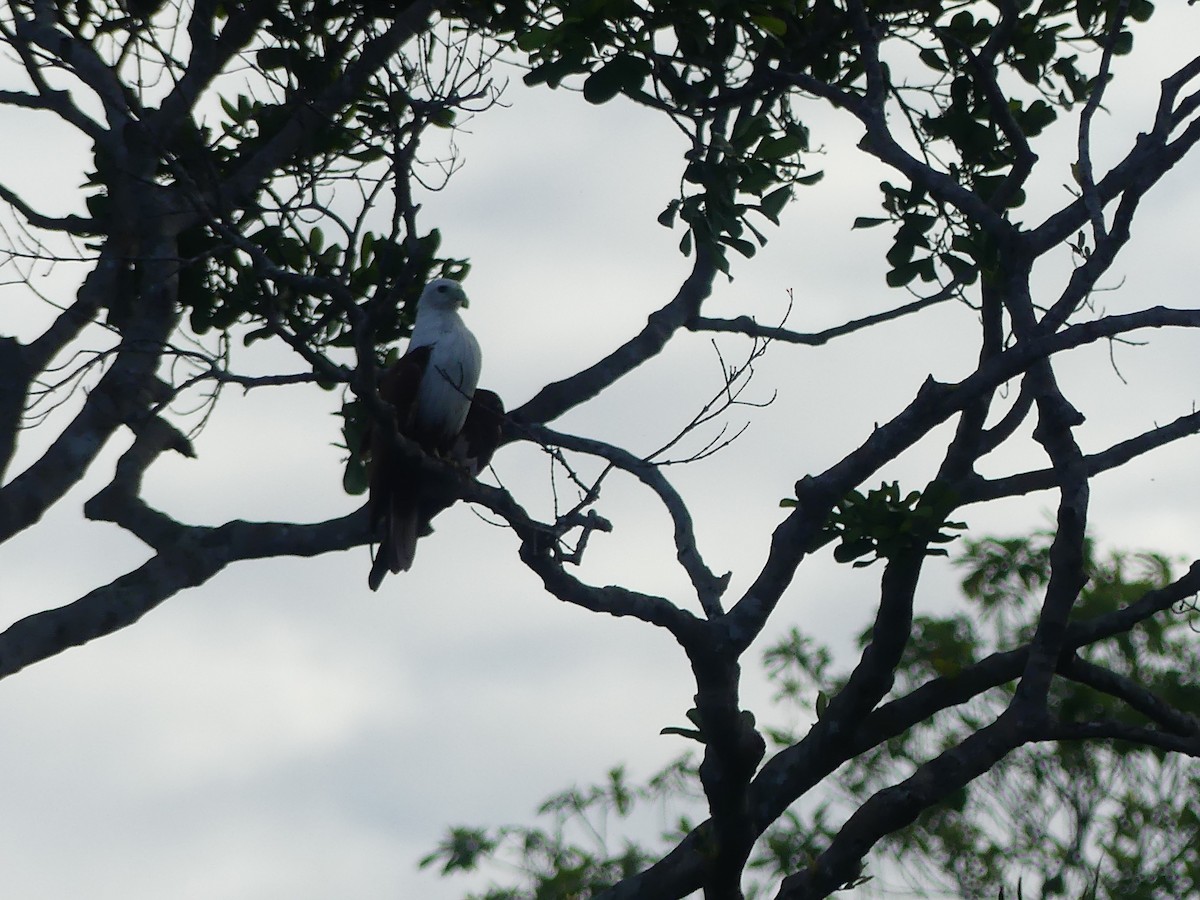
(251, 179)
(1073, 818)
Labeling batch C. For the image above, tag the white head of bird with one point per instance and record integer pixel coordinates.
(437, 311)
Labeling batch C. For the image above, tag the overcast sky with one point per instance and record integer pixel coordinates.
(283, 732)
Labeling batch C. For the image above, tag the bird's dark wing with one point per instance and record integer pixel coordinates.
(393, 504)
(480, 435)
(399, 385)
(472, 451)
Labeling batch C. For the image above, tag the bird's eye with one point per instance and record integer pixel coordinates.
(441, 289)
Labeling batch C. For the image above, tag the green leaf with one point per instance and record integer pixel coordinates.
(851, 550)
(746, 248)
(868, 222)
(461, 850)
(772, 204)
(684, 732)
(1037, 117)
(962, 269)
(370, 154)
(901, 251)
(747, 129)
(624, 73)
(552, 73)
(534, 39)
(273, 58)
(930, 57)
(770, 24)
(200, 321)
(257, 334)
(779, 147)
(962, 22)
(902, 274)
(1086, 12)
(667, 216)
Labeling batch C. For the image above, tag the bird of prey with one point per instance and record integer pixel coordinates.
(432, 390)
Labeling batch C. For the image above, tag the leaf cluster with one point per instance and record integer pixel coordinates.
(884, 525)
(1126, 826)
(999, 827)
(976, 83)
(570, 857)
(745, 156)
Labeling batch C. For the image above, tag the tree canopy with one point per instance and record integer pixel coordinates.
(253, 179)
(1066, 819)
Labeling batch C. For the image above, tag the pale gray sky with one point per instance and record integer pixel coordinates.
(282, 732)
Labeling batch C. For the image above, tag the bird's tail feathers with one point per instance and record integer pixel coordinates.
(378, 570)
(407, 527)
(398, 545)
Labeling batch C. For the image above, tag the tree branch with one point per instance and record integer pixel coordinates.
(1151, 157)
(982, 490)
(209, 55)
(794, 771)
(253, 172)
(747, 326)
(1189, 744)
(1087, 181)
(708, 586)
(1138, 697)
(934, 403)
(555, 399)
(897, 806)
(197, 555)
(76, 225)
(121, 396)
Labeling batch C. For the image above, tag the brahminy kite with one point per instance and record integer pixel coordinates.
(432, 391)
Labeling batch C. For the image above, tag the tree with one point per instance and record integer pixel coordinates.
(226, 206)
(1121, 823)
(1067, 819)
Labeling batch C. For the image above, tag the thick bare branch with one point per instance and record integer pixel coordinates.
(934, 404)
(708, 586)
(1137, 696)
(76, 225)
(58, 102)
(1188, 744)
(211, 53)
(1152, 156)
(555, 399)
(897, 806)
(81, 58)
(982, 490)
(120, 397)
(195, 557)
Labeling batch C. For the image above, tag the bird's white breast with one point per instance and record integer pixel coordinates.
(444, 396)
